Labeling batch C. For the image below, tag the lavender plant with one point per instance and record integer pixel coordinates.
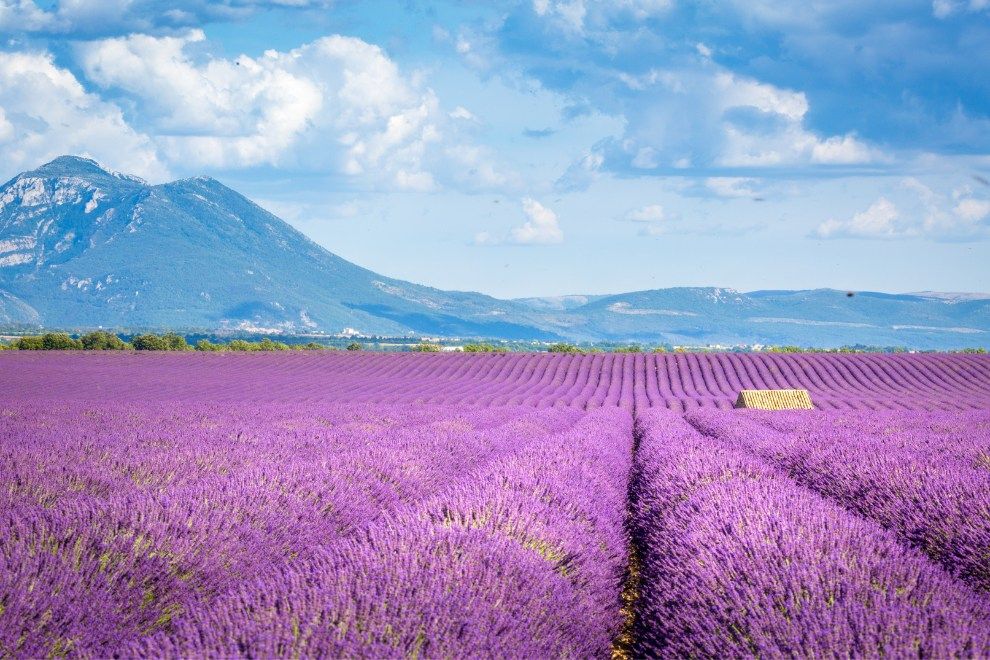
(129, 527)
(739, 561)
(926, 477)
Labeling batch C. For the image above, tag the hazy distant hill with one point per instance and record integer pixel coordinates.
(84, 247)
(821, 317)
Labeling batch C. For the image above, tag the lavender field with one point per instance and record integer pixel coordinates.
(519, 505)
(679, 381)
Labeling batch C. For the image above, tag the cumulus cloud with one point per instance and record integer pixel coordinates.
(956, 214)
(337, 103)
(765, 125)
(920, 211)
(220, 113)
(880, 220)
(689, 110)
(541, 228)
(704, 116)
(46, 112)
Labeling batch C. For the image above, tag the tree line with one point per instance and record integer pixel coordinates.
(102, 340)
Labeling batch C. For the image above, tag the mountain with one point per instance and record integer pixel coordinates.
(84, 247)
(81, 246)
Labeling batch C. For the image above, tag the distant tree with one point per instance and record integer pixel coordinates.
(628, 349)
(978, 351)
(484, 347)
(207, 346)
(427, 348)
(310, 346)
(355, 346)
(101, 340)
(149, 342)
(267, 344)
(176, 342)
(563, 348)
(59, 341)
(479, 348)
(240, 345)
(784, 349)
(660, 349)
(30, 343)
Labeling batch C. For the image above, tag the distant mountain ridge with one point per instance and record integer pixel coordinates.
(83, 247)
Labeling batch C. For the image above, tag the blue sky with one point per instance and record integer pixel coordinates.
(544, 147)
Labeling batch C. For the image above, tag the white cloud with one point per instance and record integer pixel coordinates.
(484, 238)
(576, 15)
(541, 228)
(105, 17)
(739, 92)
(220, 113)
(958, 215)
(337, 103)
(567, 13)
(731, 186)
(923, 211)
(706, 116)
(476, 49)
(789, 141)
(839, 150)
(22, 15)
(880, 220)
(473, 166)
(45, 112)
(583, 172)
(651, 213)
(973, 210)
(671, 80)
(943, 9)
(460, 112)
(646, 159)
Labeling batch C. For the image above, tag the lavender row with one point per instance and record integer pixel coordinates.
(677, 381)
(119, 521)
(526, 560)
(962, 436)
(926, 478)
(739, 561)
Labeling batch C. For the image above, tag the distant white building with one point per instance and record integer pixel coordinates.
(452, 349)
